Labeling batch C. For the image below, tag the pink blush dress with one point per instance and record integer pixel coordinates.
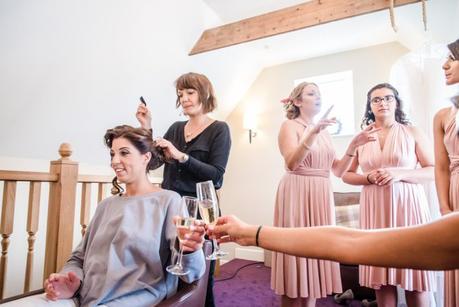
(305, 198)
(397, 205)
(451, 141)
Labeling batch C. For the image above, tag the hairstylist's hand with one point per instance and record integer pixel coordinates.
(169, 149)
(143, 116)
(231, 229)
(61, 286)
(194, 239)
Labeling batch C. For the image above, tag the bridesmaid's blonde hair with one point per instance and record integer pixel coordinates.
(291, 110)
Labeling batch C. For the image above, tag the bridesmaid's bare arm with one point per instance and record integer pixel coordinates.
(292, 146)
(432, 246)
(354, 178)
(442, 162)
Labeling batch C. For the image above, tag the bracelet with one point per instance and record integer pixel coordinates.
(368, 179)
(184, 158)
(258, 233)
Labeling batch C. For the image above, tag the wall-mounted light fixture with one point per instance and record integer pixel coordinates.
(250, 123)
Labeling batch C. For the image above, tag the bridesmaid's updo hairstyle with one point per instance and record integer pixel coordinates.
(142, 140)
(291, 110)
(202, 85)
(369, 117)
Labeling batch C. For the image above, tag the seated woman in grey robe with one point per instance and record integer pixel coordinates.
(131, 239)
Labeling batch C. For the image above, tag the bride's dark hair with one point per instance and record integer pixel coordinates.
(142, 140)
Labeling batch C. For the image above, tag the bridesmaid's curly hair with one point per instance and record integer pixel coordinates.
(369, 117)
(291, 110)
(142, 140)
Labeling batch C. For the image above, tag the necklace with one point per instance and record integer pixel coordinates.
(189, 134)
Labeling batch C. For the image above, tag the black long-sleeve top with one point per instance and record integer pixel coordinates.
(208, 155)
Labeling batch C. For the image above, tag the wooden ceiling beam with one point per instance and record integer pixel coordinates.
(293, 18)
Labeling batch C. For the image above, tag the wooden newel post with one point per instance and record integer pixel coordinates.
(61, 211)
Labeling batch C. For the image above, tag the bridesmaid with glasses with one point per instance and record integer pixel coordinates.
(392, 195)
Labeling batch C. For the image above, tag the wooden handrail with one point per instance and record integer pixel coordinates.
(27, 176)
(94, 179)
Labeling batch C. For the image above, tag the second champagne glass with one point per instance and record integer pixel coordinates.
(208, 208)
(183, 225)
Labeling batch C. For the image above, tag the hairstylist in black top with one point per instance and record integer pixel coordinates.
(197, 149)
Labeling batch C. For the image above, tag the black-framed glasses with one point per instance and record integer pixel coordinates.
(378, 100)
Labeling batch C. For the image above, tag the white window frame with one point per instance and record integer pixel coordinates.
(341, 96)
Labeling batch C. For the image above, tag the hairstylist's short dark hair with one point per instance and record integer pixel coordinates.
(202, 85)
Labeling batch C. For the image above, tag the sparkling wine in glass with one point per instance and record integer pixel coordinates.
(183, 225)
(208, 208)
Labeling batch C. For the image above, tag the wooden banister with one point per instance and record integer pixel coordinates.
(32, 228)
(85, 206)
(6, 228)
(27, 176)
(95, 179)
(101, 192)
(61, 211)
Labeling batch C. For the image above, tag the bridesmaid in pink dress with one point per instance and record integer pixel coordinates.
(304, 197)
(447, 163)
(391, 194)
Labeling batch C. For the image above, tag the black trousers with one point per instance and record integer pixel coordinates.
(210, 286)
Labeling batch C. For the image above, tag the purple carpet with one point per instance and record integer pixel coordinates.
(251, 287)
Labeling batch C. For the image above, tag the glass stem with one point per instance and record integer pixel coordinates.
(216, 248)
(179, 262)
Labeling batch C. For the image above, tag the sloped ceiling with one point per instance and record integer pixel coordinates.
(71, 69)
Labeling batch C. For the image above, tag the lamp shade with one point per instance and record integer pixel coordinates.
(250, 120)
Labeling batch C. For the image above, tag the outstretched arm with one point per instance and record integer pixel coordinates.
(432, 246)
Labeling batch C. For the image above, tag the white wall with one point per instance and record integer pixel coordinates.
(254, 170)
(69, 70)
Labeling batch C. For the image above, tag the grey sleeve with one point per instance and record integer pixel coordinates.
(196, 264)
(75, 262)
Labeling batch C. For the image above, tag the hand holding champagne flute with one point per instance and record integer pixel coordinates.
(208, 208)
(184, 224)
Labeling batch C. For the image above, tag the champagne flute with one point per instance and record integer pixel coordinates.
(183, 225)
(208, 208)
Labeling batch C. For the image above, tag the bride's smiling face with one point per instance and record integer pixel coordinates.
(127, 161)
